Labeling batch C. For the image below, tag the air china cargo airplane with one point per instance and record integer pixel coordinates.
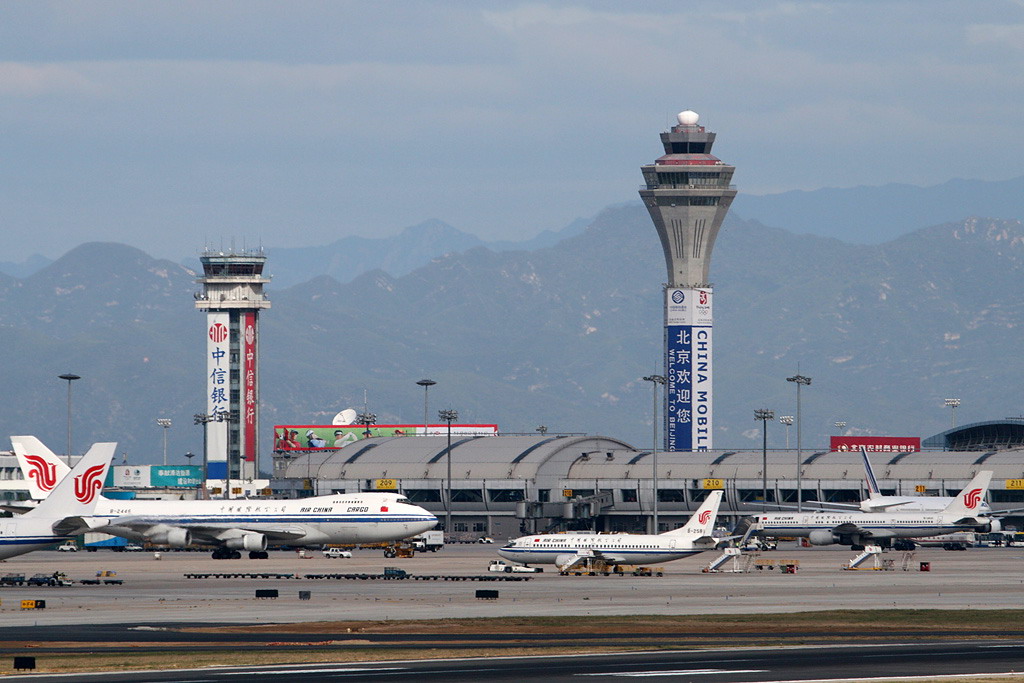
(64, 514)
(566, 550)
(236, 525)
(856, 529)
(876, 502)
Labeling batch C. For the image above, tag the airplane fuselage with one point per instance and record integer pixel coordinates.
(20, 535)
(613, 548)
(867, 524)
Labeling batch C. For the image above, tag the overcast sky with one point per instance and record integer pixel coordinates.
(173, 125)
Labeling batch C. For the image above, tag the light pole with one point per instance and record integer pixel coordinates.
(426, 384)
(166, 424)
(951, 403)
(788, 421)
(800, 381)
(448, 416)
(655, 380)
(366, 419)
(70, 378)
(763, 414)
(840, 426)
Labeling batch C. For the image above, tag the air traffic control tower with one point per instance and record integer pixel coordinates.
(232, 297)
(688, 193)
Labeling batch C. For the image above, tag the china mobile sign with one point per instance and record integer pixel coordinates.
(877, 444)
(688, 369)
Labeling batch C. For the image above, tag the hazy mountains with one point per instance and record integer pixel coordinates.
(557, 336)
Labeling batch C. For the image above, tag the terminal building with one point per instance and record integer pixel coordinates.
(503, 486)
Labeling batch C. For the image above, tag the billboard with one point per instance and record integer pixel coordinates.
(688, 369)
(249, 386)
(877, 444)
(315, 437)
(218, 393)
(155, 476)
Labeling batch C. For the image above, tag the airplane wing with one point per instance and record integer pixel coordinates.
(72, 526)
(213, 533)
(854, 529)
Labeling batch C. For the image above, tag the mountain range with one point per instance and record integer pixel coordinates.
(558, 336)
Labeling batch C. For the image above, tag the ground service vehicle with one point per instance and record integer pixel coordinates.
(336, 553)
(69, 547)
(503, 566)
(428, 540)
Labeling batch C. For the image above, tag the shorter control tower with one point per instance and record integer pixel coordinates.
(688, 192)
(232, 297)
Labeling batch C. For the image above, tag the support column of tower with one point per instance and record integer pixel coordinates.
(232, 297)
(687, 193)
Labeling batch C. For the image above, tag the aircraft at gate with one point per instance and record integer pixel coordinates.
(857, 529)
(566, 550)
(876, 502)
(237, 524)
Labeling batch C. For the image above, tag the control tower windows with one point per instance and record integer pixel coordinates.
(688, 201)
(690, 148)
(692, 179)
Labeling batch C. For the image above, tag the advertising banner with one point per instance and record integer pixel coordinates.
(877, 444)
(688, 367)
(249, 386)
(315, 437)
(155, 476)
(218, 392)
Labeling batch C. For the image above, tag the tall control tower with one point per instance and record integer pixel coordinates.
(232, 297)
(688, 193)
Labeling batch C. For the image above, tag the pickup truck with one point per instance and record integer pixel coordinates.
(503, 566)
(337, 552)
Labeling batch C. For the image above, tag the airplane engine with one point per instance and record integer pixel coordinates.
(176, 538)
(562, 560)
(250, 542)
(986, 525)
(821, 537)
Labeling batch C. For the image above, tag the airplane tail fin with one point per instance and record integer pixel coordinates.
(968, 501)
(703, 521)
(41, 468)
(77, 493)
(873, 490)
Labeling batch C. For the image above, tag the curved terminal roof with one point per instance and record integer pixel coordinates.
(993, 435)
(556, 458)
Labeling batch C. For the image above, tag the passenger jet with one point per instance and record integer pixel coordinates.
(237, 524)
(857, 529)
(567, 550)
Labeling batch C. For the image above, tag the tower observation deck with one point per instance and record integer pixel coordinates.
(232, 297)
(688, 191)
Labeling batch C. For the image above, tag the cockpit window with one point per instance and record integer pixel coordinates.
(402, 499)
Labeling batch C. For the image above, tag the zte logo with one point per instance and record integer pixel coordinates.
(44, 473)
(704, 517)
(972, 498)
(88, 484)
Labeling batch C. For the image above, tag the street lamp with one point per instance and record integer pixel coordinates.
(800, 381)
(426, 384)
(448, 416)
(166, 424)
(951, 403)
(763, 414)
(70, 378)
(655, 380)
(840, 426)
(366, 419)
(788, 421)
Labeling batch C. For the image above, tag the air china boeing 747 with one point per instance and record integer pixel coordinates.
(232, 526)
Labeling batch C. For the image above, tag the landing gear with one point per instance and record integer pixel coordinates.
(259, 555)
(226, 554)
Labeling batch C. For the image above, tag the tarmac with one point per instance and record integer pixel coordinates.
(156, 591)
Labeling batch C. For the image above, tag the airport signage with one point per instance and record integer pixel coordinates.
(155, 476)
(1015, 484)
(714, 484)
(317, 437)
(688, 370)
(386, 484)
(877, 444)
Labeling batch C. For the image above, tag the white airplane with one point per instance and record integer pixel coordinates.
(64, 514)
(566, 550)
(876, 502)
(856, 529)
(236, 525)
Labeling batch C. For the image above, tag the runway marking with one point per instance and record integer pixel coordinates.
(678, 672)
(318, 670)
